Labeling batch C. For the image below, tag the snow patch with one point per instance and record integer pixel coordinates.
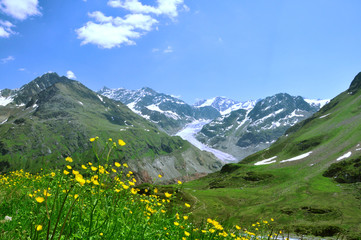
(170, 114)
(324, 115)
(101, 99)
(5, 101)
(346, 155)
(4, 121)
(297, 157)
(266, 161)
(318, 102)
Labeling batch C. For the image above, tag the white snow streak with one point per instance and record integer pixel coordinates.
(346, 155)
(297, 157)
(4, 121)
(324, 115)
(266, 161)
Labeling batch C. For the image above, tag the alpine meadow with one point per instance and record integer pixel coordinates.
(180, 120)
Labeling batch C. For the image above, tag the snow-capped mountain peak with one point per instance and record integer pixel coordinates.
(225, 105)
(317, 103)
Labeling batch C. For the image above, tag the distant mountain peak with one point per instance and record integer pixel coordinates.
(225, 105)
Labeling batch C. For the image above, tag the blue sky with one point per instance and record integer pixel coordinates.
(194, 49)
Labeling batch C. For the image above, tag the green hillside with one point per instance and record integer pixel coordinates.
(309, 180)
(53, 117)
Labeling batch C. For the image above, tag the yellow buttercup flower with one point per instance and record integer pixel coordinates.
(83, 166)
(186, 233)
(160, 176)
(69, 159)
(117, 164)
(125, 165)
(68, 167)
(94, 168)
(110, 140)
(66, 172)
(168, 195)
(92, 139)
(179, 182)
(39, 227)
(121, 142)
(40, 199)
(187, 205)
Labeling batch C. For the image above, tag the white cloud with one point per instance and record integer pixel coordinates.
(109, 32)
(21, 69)
(7, 59)
(166, 7)
(70, 75)
(169, 49)
(155, 50)
(20, 9)
(5, 29)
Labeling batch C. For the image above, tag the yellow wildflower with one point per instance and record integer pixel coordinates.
(40, 199)
(110, 140)
(176, 223)
(125, 165)
(121, 142)
(92, 139)
(186, 233)
(168, 195)
(46, 193)
(83, 166)
(95, 182)
(76, 196)
(160, 176)
(69, 159)
(187, 205)
(66, 172)
(94, 168)
(179, 182)
(117, 164)
(133, 191)
(39, 227)
(52, 174)
(68, 167)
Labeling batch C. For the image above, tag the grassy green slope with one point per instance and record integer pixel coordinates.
(295, 192)
(59, 121)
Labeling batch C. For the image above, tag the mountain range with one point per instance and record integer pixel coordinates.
(246, 131)
(53, 117)
(237, 128)
(169, 113)
(309, 179)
